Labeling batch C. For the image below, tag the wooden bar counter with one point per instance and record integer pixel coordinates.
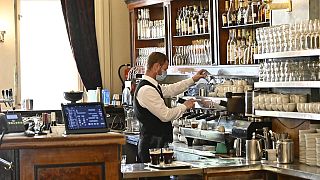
(84, 156)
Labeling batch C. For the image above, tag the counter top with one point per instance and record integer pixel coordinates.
(296, 170)
(143, 170)
(224, 165)
(19, 141)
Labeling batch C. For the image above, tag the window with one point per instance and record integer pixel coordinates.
(47, 64)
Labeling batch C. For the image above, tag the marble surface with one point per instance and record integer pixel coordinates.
(143, 170)
(223, 165)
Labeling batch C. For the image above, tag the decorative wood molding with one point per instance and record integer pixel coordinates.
(141, 3)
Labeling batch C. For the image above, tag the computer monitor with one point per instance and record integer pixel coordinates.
(82, 118)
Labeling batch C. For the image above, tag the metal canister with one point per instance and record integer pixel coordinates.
(285, 151)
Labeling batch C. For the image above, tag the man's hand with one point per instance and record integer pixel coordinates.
(189, 103)
(200, 74)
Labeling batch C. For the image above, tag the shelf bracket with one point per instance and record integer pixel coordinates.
(284, 5)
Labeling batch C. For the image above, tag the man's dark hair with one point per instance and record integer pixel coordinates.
(156, 57)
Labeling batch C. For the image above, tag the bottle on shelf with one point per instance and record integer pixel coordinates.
(205, 19)
(267, 11)
(190, 10)
(147, 28)
(242, 49)
(238, 40)
(195, 20)
(139, 24)
(261, 12)
(178, 24)
(241, 13)
(224, 14)
(232, 14)
(248, 17)
(255, 10)
(231, 46)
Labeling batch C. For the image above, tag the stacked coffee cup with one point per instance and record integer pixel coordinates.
(278, 102)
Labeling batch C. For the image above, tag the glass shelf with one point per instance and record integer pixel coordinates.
(256, 25)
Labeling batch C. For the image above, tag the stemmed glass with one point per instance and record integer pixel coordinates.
(297, 36)
(285, 37)
(178, 58)
(303, 34)
(292, 33)
(316, 35)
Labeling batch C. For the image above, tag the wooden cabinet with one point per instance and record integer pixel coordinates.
(89, 156)
(193, 47)
(183, 46)
(149, 30)
(245, 32)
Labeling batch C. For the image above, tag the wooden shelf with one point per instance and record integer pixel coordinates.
(191, 35)
(150, 39)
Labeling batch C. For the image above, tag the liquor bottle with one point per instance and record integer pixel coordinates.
(261, 14)
(231, 15)
(255, 11)
(252, 50)
(267, 10)
(185, 20)
(248, 16)
(195, 20)
(206, 20)
(236, 7)
(190, 15)
(178, 25)
(224, 14)
(241, 13)
(238, 41)
(242, 49)
(231, 47)
(228, 46)
(139, 24)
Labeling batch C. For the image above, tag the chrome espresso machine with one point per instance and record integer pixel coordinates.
(225, 122)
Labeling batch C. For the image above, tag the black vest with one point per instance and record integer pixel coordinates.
(150, 124)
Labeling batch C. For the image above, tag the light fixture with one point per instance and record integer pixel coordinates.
(2, 35)
(3, 28)
(284, 5)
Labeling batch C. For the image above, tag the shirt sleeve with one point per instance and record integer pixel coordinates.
(176, 88)
(149, 98)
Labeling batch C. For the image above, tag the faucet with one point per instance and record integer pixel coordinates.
(265, 137)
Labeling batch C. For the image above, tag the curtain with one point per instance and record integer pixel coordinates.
(80, 23)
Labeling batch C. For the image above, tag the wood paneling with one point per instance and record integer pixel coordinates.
(85, 156)
(89, 162)
(73, 171)
(19, 141)
(292, 127)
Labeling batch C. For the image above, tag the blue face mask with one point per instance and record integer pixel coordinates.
(162, 76)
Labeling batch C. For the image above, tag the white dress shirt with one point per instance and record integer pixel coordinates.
(149, 98)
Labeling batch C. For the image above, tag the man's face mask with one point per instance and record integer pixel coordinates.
(162, 76)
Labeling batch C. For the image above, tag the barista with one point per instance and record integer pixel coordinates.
(149, 106)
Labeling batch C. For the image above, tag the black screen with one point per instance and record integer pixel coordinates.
(84, 116)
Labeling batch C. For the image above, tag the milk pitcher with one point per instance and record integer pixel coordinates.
(253, 150)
